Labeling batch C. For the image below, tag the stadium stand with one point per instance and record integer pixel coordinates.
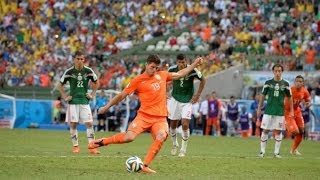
(38, 37)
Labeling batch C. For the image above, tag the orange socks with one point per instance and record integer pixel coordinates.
(115, 139)
(153, 151)
(297, 141)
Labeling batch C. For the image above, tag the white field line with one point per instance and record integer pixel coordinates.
(196, 157)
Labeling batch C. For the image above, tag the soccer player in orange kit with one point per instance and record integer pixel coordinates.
(295, 124)
(151, 88)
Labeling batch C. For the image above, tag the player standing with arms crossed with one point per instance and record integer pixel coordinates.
(295, 124)
(180, 104)
(151, 88)
(273, 119)
(78, 100)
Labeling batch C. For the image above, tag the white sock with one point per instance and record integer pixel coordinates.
(263, 142)
(185, 137)
(90, 134)
(174, 138)
(74, 136)
(277, 145)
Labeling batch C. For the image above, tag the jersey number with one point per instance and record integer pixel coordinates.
(156, 86)
(276, 93)
(181, 82)
(80, 84)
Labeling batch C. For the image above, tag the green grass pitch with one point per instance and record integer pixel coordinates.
(40, 154)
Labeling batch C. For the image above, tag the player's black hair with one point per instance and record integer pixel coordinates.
(153, 58)
(277, 65)
(181, 57)
(299, 77)
(78, 53)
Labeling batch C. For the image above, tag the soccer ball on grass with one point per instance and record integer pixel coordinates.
(134, 164)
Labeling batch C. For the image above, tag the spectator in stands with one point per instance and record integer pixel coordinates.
(48, 32)
(310, 59)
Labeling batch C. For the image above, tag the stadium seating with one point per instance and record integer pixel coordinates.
(47, 35)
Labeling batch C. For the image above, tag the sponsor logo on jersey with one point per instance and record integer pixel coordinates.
(157, 76)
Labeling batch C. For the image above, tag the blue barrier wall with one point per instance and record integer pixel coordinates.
(6, 109)
(40, 112)
(33, 111)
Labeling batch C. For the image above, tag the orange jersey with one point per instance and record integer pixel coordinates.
(298, 96)
(151, 91)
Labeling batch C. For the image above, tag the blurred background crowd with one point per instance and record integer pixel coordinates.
(38, 37)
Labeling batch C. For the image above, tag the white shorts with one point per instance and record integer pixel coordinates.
(270, 122)
(79, 113)
(178, 110)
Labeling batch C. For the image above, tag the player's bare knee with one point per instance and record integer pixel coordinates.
(129, 137)
(162, 136)
(185, 127)
(294, 133)
(173, 124)
(89, 125)
(73, 125)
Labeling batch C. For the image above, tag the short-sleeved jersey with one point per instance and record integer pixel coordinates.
(79, 83)
(276, 91)
(183, 89)
(298, 95)
(151, 91)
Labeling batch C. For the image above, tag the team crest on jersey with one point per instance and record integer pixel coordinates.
(157, 76)
(276, 87)
(79, 77)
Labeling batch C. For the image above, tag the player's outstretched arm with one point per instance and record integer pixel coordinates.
(183, 72)
(115, 100)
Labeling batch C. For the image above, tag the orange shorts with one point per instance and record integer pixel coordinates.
(295, 123)
(213, 121)
(144, 122)
(246, 133)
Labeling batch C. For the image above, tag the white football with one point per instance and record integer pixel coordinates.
(134, 164)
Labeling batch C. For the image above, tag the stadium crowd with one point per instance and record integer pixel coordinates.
(39, 37)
